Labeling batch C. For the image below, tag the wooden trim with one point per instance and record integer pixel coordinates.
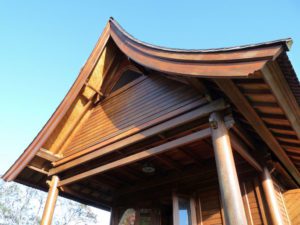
(38, 169)
(46, 154)
(124, 66)
(76, 195)
(187, 117)
(74, 125)
(286, 99)
(139, 156)
(285, 209)
(260, 202)
(247, 204)
(243, 105)
(292, 203)
(94, 89)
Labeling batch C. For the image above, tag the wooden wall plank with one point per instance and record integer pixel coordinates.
(188, 117)
(292, 202)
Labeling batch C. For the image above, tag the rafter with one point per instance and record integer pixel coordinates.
(243, 105)
(47, 155)
(139, 156)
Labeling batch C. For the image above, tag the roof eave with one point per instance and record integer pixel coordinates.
(60, 111)
(241, 61)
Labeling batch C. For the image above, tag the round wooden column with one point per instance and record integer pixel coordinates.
(51, 201)
(227, 175)
(271, 199)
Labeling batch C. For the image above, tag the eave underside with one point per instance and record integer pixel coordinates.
(255, 90)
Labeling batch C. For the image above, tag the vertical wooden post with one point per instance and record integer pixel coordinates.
(227, 175)
(175, 201)
(193, 211)
(271, 199)
(51, 200)
(112, 215)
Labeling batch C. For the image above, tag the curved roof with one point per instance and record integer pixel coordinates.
(239, 61)
(234, 62)
(285, 42)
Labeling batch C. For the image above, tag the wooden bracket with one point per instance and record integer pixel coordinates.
(198, 85)
(94, 89)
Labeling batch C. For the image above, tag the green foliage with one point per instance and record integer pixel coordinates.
(23, 205)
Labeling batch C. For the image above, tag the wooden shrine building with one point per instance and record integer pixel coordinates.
(174, 136)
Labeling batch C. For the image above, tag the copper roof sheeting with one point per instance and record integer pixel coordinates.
(236, 62)
(286, 42)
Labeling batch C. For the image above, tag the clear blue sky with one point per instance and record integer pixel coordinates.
(43, 45)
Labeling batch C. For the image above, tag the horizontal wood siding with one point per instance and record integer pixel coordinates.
(292, 203)
(211, 206)
(281, 203)
(251, 203)
(211, 211)
(136, 105)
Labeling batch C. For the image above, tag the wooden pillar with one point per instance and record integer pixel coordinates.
(193, 211)
(175, 201)
(51, 201)
(271, 199)
(227, 175)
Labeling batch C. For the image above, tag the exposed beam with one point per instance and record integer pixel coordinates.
(87, 200)
(244, 107)
(177, 121)
(286, 176)
(139, 156)
(198, 85)
(241, 148)
(206, 168)
(94, 89)
(286, 99)
(245, 137)
(191, 155)
(197, 178)
(46, 154)
(169, 162)
(38, 169)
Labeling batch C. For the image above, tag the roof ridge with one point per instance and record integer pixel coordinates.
(286, 42)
